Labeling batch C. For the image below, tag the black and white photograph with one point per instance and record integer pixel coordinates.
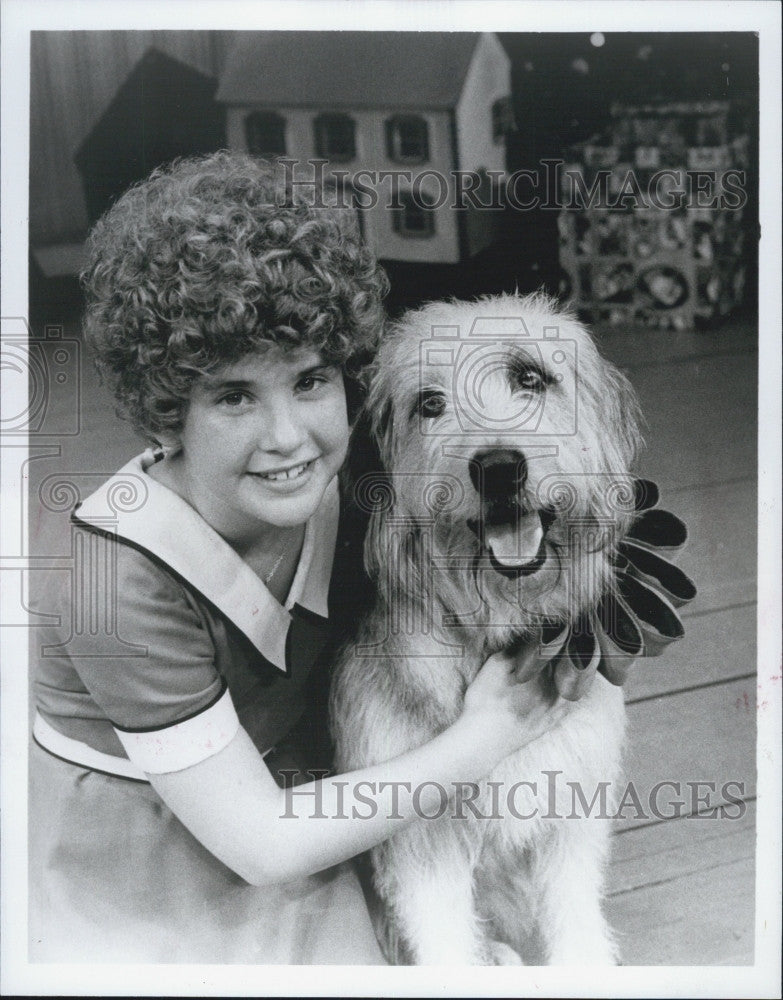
(405, 378)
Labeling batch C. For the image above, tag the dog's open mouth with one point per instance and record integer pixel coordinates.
(509, 527)
(513, 535)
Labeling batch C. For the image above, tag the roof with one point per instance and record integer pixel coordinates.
(163, 109)
(404, 69)
(152, 93)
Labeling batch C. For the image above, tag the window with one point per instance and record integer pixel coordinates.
(414, 218)
(502, 119)
(335, 137)
(407, 139)
(265, 133)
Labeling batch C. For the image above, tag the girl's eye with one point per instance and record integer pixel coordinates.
(235, 398)
(309, 382)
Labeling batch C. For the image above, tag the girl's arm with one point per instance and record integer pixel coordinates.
(233, 806)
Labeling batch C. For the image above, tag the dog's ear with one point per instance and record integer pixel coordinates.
(622, 413)
(391, 545)
(609, 411)
(618, 439)
(373, 487)
(382, 426)
(393, 554)
(363, 483)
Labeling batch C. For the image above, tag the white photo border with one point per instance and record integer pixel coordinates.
(19, 18)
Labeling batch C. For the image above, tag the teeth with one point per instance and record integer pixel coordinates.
(294, 473)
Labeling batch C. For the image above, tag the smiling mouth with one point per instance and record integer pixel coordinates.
(285, 475)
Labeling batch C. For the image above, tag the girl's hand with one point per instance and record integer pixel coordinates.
(514, 700)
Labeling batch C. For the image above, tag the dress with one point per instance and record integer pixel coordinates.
(169, 642)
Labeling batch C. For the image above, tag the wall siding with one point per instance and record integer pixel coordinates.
(371, 154)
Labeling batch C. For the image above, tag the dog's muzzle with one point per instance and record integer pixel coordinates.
(511, 530)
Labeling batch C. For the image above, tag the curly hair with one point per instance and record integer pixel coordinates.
(210, 259)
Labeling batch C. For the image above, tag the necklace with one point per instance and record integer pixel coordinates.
(291, 540)
(274, 569)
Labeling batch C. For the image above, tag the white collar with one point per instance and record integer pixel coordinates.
(137, 508)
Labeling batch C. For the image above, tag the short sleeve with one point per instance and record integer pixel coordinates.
(158, 686)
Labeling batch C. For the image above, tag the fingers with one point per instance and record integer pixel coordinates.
(533, 653)
(520, 678)
(494, 673)
(528, 663)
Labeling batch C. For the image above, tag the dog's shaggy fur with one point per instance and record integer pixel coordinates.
(506, 441)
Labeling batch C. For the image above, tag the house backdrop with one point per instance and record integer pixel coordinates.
(382, 101)
(562, 88)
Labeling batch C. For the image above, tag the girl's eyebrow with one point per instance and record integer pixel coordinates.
(215, 384)
(319, 366)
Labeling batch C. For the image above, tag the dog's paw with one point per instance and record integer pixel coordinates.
(502, 954)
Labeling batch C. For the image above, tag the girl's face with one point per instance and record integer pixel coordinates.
(262, 440)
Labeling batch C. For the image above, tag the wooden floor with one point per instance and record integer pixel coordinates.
(681, 889)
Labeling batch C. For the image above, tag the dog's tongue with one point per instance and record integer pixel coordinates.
(515, 544)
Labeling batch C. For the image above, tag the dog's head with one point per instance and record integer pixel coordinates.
(505, 435)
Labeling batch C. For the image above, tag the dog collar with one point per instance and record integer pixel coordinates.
(638, 615)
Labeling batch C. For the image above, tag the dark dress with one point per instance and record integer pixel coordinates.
(170, 642)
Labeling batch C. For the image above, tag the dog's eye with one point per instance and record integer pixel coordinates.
(430, 403)
(529, 376)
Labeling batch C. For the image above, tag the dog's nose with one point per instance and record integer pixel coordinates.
(498, 472)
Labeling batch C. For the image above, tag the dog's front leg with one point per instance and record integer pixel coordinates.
(425, 875)
(572, 924)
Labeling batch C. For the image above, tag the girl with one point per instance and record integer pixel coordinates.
(232, 324)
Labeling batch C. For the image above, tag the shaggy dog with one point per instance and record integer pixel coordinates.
(506, 441)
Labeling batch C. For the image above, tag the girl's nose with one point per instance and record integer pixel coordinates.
(281, 431)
